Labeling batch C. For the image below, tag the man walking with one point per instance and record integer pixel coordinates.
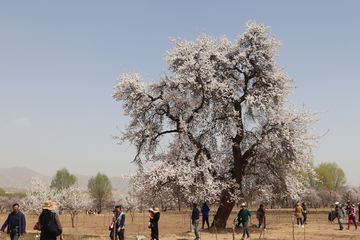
(195, 220)
(120, 222)
(244, 215)
(205, 212)
(339, 213)
(15, 222)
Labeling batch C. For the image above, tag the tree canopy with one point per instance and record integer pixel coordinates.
(100, 189)
(63, 179)
(331, 176)
(224, 108)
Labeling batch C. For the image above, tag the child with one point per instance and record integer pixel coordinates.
(298, 213)
(151, 216)
(260, 215)
(352, 216)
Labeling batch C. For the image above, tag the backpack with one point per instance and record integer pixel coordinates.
(52, 226)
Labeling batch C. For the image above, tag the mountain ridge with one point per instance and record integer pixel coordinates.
(19, 179)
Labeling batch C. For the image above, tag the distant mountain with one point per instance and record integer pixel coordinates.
(19, 179)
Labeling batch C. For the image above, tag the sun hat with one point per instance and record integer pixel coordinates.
(156, 210)
(49, 205)
(348, 201)
(151, 210)
(243, 205)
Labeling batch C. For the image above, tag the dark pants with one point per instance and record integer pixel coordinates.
(205, 219)
(245, 224)
(262, 221)
(300, 221)
(120, 235)
(14, 234)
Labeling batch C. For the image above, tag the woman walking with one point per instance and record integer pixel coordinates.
(298, 213)
(305, 213)
(352, 217)
(154, 219)
(45, 217)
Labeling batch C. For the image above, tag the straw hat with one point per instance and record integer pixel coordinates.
(49, 205)
(243, 205)
(156, 210)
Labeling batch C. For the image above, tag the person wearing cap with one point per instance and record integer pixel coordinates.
(120, 222)
(352, 217)
(244, 214)
(44, 220)
(339, 213)
(195, 220)
(15, 223)
(154, 219)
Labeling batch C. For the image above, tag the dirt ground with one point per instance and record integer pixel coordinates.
(176, 226)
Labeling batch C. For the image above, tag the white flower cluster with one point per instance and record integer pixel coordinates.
(225, 112)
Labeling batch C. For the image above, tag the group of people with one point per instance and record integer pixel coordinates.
(49, 223)
(300, 212)
(91, 211)
(339, 213)
(195, 218)
(50, 227)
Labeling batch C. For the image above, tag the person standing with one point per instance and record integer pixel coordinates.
(15, 223)
(44, 219)
(348, 207)
(154, 221)
(260, 215)
(120, 223)
(205, 212)
(195, 220)
(359, 209)
(339, 213)
(305, 213)
(352, 217)
(298, 213)
(244, 214)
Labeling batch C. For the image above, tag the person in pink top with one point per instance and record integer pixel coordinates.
(352, 216)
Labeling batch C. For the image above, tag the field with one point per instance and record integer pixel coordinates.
(174, 225)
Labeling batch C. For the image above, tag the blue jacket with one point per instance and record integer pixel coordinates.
(205, 210)
(22, 223)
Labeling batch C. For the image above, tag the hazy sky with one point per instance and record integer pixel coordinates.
(60, 59)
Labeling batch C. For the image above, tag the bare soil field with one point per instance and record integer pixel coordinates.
(175, 225)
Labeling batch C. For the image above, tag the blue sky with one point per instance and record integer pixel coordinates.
(60, 59)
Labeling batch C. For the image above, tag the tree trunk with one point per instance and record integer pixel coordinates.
(224, 210)
(72, 219)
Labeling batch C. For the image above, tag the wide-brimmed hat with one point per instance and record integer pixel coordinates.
(156, 210)
(151, 210)
(49, 205)
(243, 205)
(348, 201)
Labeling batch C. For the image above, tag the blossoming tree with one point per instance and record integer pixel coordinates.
(219, 121)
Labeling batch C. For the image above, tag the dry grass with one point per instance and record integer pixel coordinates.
(176, 226)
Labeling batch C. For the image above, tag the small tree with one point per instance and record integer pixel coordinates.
(100, 189)
(63, 179)
(38, 194)
(131, 203)
(74, 200)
